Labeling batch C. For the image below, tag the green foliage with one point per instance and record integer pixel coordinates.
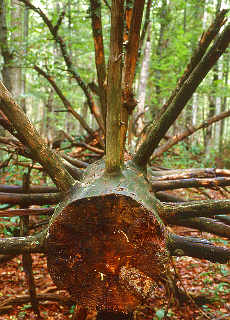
(184, 156)
(72, 308)
(161, 314)
(9, 226)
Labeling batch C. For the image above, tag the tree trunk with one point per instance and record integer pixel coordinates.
(16, 39)
(143, 82)
(106, 244)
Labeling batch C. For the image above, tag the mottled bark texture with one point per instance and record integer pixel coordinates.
(113, 120)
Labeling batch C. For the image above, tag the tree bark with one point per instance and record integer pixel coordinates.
(113, 122)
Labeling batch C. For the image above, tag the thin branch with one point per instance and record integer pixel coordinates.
(160, 127)
(186, 173)
(131, 56)
(8, 302)
(26, 212)
(99, 53)
(65, 101)
(113, 121)
(32, 189)
(51, 162)
(71, 69)
(202, 208)
(205, 224)
(22, 150)
(60, 19)
(29, 244)
(75, 162)
(30, 198)
(168, 197)
(107, 4)
(89, 147)
(146, 24)
(189, 183)
(132, 51)
(197, 248)
(187, 132)
(203, 44)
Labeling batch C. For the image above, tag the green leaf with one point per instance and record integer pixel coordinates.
(160, 313)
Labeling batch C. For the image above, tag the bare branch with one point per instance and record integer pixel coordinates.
(60, 19)
(51, 162)
(203, 44)
(176, 174)
(131, 56)
(187, 132)
(71, 69)
(205, 224)
(65, 101)
(160, 127)
(189, 183)
(29, 244)
(202, 208)
(30, 198)
(113, 121)
(26, 212)
(197, 248)
(32, 189)
(146, 24)
(99, 53)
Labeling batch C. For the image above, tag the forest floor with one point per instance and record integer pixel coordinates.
(206, 288)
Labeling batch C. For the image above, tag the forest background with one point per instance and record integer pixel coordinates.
(35, 70)
(172, 34)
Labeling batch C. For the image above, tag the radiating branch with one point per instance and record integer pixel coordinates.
(32, 189)
(30, 198)
(188, 132)
(50, 161)
(131, 56)
(189, 183)
(29, 244)
(203, 44)
(160, 127)
(65, 101)
(197, 248)
(68, 61)
(99, 53)
(114, 94)
(26, 212)
(204, 224)
(202, 208)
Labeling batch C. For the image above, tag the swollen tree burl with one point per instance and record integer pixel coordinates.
(106, 244)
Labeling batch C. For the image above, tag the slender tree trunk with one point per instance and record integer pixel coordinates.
(143, 83)
(25, 49)
(212, 106)
(17, 39)
(162, 41)
(224, 102)
(5, 48)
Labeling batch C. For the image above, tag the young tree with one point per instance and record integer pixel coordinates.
(107, 242)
